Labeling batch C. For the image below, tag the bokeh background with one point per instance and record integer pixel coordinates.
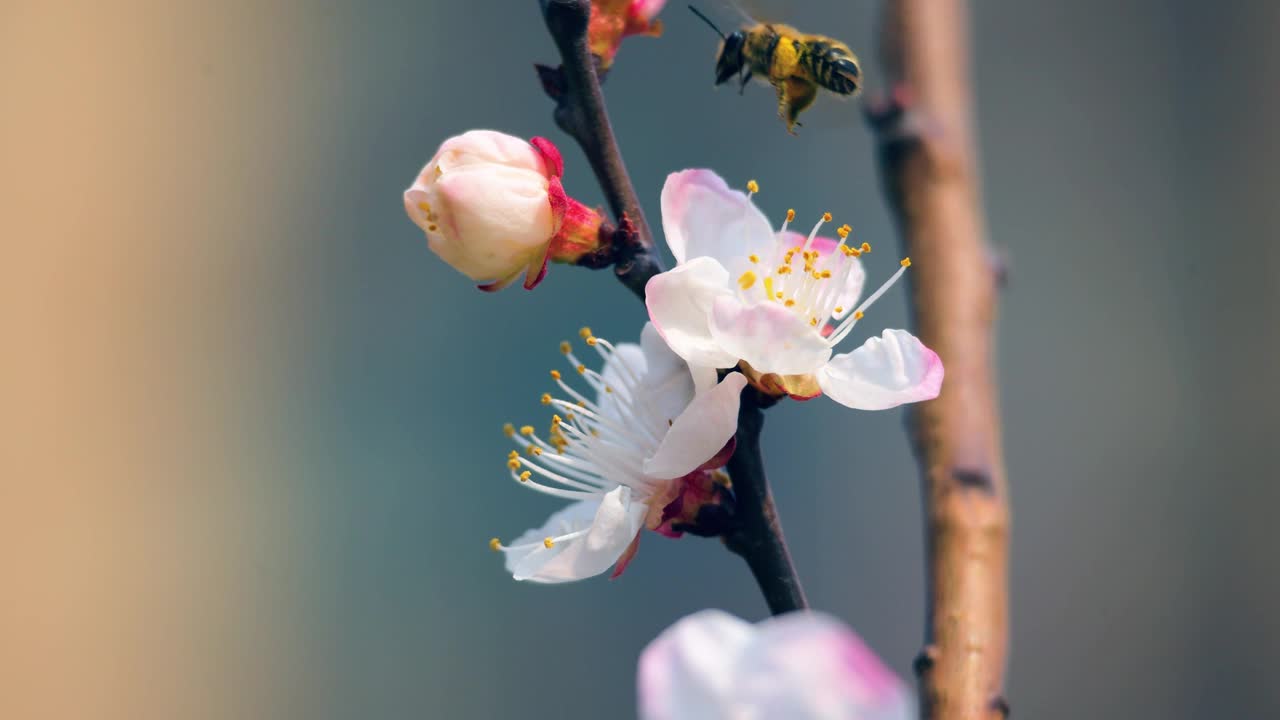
(252, 452)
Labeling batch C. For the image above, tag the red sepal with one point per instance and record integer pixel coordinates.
(550, 154)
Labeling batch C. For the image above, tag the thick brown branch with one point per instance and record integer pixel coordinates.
(757, 536)
(580, 112)
(928, 166)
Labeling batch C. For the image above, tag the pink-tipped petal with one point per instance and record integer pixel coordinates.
(700, 432)
(799, 666)
(703, 217)
(888, 371)
(770, 337)
(679, 303)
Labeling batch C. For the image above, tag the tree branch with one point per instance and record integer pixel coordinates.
(929, 171)
(757, 535)
(580, 112)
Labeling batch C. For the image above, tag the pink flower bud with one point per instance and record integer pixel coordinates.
(492, 207)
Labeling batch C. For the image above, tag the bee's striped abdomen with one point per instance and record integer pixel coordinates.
(833, 65)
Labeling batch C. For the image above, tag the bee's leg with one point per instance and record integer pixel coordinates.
(784, 112)
(799, 94)
(746, 78)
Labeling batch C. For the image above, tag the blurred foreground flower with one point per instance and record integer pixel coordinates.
(644, 453)
(798, 666)
(614, 20)
(778, 303)
(492, 206)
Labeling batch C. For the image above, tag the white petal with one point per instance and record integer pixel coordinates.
(799, 666)
(481, 147)
(885, 372)
(679, 303)
(620, 372)
(614, 521)
(704, 378)
(770, 337)
(686, 673)
(700, 432)
(668, 386)
(702, 217)
(810, 665)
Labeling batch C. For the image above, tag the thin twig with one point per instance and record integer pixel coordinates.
(580, 112)
(757, 536)
(929, 171)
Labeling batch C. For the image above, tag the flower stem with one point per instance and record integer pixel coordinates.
(929, 171)
(757, 537)
(580, 112)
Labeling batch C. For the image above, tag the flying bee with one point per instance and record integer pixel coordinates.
(794, 63)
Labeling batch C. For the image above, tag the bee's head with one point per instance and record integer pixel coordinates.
(729, 61)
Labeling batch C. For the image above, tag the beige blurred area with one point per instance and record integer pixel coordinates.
(128, 325)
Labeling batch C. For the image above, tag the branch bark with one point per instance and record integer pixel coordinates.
(580, 112)
(928, 168)
(757, 535)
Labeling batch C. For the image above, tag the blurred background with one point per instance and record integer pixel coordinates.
(252, 452)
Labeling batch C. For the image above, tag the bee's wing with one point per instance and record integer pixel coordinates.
(730, 14)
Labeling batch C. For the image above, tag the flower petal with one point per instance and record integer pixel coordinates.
(702, 217)
(770, 337)
(484, 147)
(700, 432)
(885, 372)
(799, 666)
(854, 278)
(613, 520)
(810, 665)
(687, 671)
(679, 303)
(668, 386)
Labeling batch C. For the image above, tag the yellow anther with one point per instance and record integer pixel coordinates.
(585, 332)
(746, 280)
(753, 186)
(608, 389)
(513, 454)
(526, 430)
(535, 450)
(839, 309)
(424, 206)
(813, 322)
(548, 542)
(495, 544)
(546, 398)
(843, 231)
(857, 315)
(906, 262)
(514, 463)
(524, 476)
(582, 369)
(791, 215)
(866, 247)
(569, 417)
(432, 228)
(826, 217)
(753, 258)
(591, 341)
(555, 374)
(784, 269)
(582, 405)
(826, 274)
(509, 430)
(555, 423)
(779, 295)
(790, 302)
(816, 275)
(565, 347)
